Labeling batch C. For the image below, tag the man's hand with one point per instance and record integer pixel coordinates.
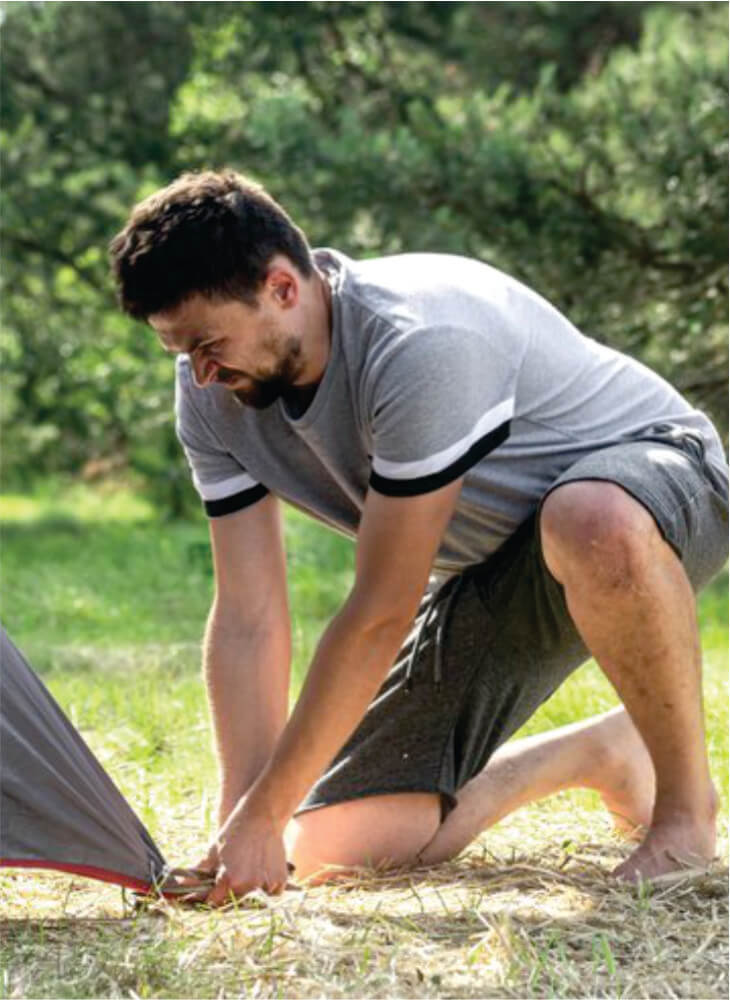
(250, 855)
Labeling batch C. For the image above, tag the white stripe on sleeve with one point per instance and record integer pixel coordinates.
(442, 459)
(224, 487)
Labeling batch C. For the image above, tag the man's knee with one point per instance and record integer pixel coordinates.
(381, 831)
(599, 529)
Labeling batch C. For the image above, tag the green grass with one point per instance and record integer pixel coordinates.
(101, 571)
(109, 603)
(98, 592)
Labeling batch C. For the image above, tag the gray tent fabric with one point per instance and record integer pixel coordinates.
(58, 806)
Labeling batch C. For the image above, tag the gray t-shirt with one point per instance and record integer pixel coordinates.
(440, 367)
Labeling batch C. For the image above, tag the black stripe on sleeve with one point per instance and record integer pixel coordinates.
(229, 505)
(434, 481)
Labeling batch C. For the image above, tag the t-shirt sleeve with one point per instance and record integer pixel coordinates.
(440, 402)
(221, 481)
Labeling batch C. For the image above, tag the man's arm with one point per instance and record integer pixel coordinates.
(247, 646)
(397, 542)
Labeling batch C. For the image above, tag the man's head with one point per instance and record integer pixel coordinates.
(220, 271)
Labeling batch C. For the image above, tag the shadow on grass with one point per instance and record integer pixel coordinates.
(588, 872)
(14, 929)
(563, 931)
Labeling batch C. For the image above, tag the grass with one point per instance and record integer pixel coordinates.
(108, 605)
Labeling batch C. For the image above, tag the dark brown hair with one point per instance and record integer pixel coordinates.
(208, 233)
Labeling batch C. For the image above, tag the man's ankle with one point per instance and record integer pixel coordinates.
(701, 811)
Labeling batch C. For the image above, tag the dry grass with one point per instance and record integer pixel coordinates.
(529, 911)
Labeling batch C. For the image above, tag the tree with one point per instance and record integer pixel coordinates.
(610, 198)
(581, 147)
(87, 95)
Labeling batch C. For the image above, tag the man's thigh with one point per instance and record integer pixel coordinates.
(375, 832)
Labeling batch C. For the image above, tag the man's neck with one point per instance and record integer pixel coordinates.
(320, 333)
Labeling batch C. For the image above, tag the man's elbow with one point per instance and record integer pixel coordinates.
(231, 621)
(382, 621)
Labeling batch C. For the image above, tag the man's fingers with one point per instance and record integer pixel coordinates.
(188, 885)
(193, 876)
(224, 891)
(199, 875)
(193, 898)
(220, 894)
(273, 887)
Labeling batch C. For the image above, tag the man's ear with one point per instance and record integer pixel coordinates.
(283, 285)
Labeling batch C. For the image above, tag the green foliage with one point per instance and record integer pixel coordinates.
(86, 96)
(581, 147)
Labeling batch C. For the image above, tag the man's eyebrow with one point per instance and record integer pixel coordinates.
(191, 343)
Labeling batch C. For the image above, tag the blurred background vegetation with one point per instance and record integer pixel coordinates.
(581, 147)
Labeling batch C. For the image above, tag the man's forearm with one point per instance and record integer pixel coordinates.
(246, 669)
(351, 662)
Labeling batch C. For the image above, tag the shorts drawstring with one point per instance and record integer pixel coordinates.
(440, 616)
(679, 436)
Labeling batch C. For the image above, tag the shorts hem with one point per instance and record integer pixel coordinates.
(447, 754)
(447, 798)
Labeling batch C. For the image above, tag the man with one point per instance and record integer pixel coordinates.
(566, 500)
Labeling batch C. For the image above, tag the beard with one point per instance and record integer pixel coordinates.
(265, 389)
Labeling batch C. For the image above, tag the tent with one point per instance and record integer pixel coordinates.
(58, 807)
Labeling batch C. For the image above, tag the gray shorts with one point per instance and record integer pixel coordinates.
(495, 642)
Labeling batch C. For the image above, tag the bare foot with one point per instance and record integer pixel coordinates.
(626, 782)
(670, 848)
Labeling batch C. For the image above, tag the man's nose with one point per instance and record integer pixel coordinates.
(204, 370)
